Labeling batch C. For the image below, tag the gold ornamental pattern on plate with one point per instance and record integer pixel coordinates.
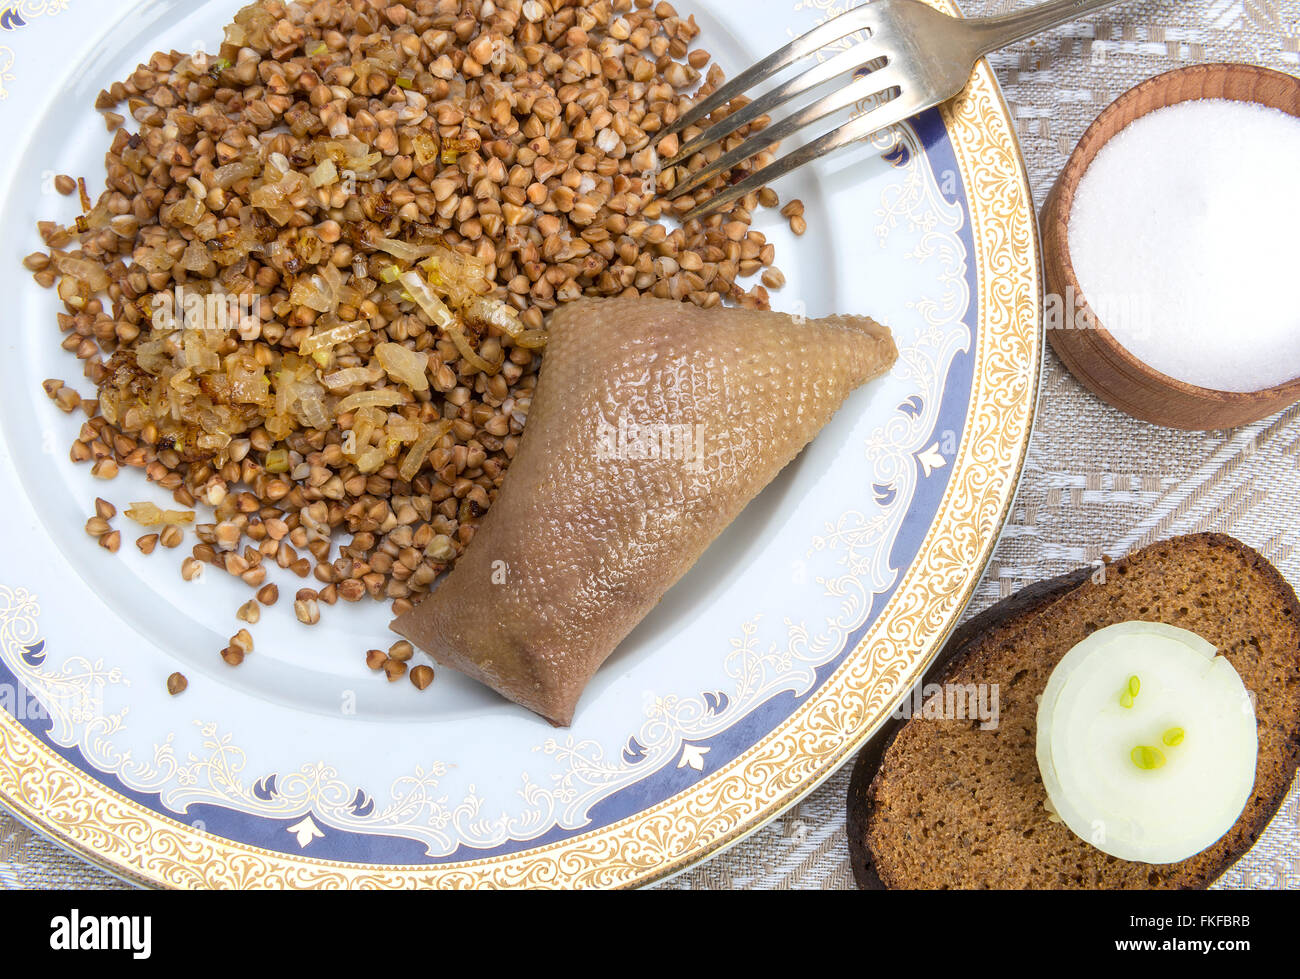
(115, 831)
(112, 830)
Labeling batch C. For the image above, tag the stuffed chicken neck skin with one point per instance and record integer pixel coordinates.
(653, 424)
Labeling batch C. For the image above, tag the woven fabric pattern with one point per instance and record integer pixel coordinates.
(1097, 482)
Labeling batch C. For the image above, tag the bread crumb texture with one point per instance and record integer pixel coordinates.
(954, 806)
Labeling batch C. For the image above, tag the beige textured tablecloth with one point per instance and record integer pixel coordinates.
(1097, 482)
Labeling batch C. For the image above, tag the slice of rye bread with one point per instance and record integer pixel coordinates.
(944, 804)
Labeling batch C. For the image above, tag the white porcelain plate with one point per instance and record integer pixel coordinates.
(757, 676)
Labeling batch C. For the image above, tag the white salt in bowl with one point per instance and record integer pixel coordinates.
(1092, 354)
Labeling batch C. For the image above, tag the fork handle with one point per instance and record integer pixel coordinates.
(992, 33)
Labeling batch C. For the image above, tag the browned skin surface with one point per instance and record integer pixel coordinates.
(593, 543)
(947, 805)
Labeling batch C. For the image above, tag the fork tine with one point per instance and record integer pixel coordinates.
(854, 58)
(876, 82)
(831, 31)
(894, 111)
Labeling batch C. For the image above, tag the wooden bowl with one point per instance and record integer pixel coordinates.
(1091, 353)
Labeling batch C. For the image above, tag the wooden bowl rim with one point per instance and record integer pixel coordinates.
(1085, 151)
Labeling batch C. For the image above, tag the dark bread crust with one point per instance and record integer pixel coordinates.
(1211, 583)
(1001, 615)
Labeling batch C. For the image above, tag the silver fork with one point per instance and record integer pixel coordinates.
(914, 58)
